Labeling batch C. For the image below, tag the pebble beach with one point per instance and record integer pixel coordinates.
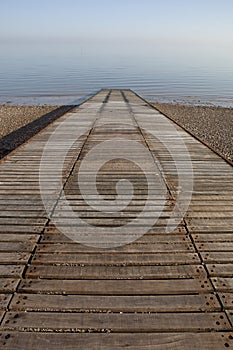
(14, 117)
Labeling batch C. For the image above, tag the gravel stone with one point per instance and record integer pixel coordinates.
(14, 117)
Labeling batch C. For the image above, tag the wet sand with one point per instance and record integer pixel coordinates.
(213, 125)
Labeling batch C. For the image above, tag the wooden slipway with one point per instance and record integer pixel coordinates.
(163, 290)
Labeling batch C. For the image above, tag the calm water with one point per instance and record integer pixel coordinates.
(55, 73)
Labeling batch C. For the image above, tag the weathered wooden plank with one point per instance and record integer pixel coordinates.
(134, 205)
(224, 270)
(105, 187)
(94, 215)
(19, 192)
(131, 248)
(11, 270)
(16, 246)
(21, 229)
(116, 287)
(19, 186)
(211, 229)
(156, 206)
(14, 258)
(218, 257)
(17, 237)
(8, 285)
(208, 214)
(80, 303)
(120, 259)
(227, 300)
(230, 315)
(152, 238)
(154, 230)
(213, 222)
(103, 222)
(4, 300)
(116, 341)
(215, 246)
(22, 221)
(213, 197)
(115, 272)
(218, 206)
(116, 322)
(1, 315)
(212, 205)
(22, 214)
(136, 198)
(223, 284)
(16, 206)
(16, 198)
(213, 237)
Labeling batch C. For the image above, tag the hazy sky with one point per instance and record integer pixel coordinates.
(196, 21)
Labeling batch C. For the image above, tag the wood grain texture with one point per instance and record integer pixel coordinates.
(164, 290)
(116, 341)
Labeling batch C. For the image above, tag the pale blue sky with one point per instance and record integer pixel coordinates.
(172, 21)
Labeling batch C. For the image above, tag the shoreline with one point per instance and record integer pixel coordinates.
(70, 99)
(210, 124)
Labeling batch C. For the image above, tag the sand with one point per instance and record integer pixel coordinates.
(213, 125)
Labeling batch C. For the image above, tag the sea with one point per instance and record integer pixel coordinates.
(66, 72)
